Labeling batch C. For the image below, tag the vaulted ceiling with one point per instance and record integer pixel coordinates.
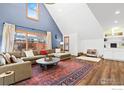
(109, 15)
(76, 18)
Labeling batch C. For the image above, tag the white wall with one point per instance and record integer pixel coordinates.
(73, 44)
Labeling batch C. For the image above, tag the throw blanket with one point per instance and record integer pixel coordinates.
(93, 59)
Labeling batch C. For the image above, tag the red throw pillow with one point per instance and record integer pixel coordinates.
(43, 52)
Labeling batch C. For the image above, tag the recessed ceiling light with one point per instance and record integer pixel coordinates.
(117, 12)
(115, 21)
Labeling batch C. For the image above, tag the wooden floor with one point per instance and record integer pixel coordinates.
(106, 72)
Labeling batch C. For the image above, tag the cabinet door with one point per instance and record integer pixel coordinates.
(108, 55)
(119, 56)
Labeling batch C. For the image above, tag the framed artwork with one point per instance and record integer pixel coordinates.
(32, 11)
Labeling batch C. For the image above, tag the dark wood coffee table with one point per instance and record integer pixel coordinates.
(43, 63)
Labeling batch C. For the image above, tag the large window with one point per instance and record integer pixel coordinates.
(25, 40)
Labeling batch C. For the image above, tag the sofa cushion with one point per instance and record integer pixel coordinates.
(91, 55)
(19, 61)
(13, 59)
(7, 58)
(23, 54)
(51, 51)
(32, 58)
(39, 56)
(61, 54)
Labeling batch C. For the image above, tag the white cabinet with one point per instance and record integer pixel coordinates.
(114, 54)
(108, 55)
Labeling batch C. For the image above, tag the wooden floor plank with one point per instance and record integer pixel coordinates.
(106, 72)
(115, 76)
(121, 72)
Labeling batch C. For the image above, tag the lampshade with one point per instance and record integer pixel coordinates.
(61, 43)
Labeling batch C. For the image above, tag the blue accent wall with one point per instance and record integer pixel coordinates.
(16, 14)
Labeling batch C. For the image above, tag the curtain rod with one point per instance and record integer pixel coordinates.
(28, 27)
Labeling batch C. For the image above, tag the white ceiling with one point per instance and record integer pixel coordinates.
(105, 14)
(76, 18)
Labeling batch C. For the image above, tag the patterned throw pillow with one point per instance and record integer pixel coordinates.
(13, 59)
(2, 60)
(16, 60)
(91, 51)
(7, 57)
(43, 52)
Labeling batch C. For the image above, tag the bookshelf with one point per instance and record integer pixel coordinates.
(114, 39)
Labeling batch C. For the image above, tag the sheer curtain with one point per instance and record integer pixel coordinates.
(8, 37)
(49, 41)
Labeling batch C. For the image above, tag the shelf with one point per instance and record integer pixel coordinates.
(114, 37)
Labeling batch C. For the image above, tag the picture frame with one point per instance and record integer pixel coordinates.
(32, 11)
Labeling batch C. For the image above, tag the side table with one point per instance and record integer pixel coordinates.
(7, 78)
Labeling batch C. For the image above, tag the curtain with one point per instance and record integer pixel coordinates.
(8, 37)
(49, 41)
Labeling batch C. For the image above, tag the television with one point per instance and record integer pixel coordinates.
(113, 45)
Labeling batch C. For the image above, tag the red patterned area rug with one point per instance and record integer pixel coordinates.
(68, 72)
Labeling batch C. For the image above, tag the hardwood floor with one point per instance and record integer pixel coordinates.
(106, 72)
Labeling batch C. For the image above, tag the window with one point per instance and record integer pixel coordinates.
(32, 11)
(25, 40)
